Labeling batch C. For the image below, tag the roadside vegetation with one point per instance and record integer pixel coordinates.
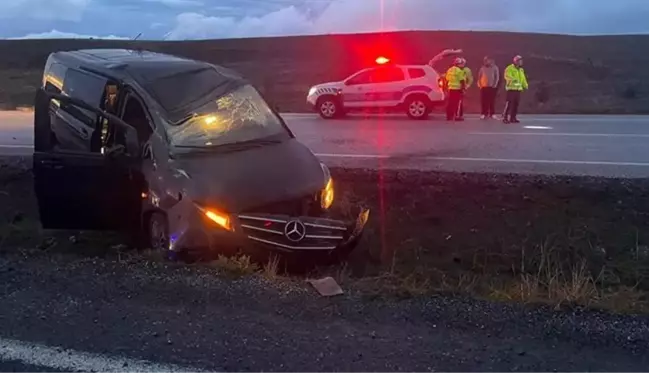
(568, 74)
(562, 241)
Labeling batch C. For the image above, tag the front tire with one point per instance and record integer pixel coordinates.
(158, 239)
(329, 107)
(417, 108)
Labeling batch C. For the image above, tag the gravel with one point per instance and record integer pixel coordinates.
(191, 315)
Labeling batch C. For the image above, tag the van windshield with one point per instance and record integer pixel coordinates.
(236, 117)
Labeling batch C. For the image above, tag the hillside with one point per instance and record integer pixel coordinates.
(598, 74)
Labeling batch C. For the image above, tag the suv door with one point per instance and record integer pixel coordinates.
(377, 87)
(356, 89)
(77, 189)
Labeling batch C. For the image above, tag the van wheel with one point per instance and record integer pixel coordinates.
(329, 107)
(158, 235)
(417, 107)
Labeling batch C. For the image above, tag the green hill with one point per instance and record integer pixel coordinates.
(594, 74)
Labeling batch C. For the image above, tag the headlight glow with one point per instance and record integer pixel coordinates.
(312, 91)
(327, 197)
(327, 194)
(220, 218)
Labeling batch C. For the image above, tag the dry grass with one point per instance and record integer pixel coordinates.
(545, 277)
(270, 270)
(581, 74)
(236, 266)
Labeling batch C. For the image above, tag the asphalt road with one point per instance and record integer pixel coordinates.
(612, 146)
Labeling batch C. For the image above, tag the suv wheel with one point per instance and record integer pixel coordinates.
(417, 108)
(329, 108)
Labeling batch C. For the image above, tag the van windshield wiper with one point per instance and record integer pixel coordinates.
(232, 147)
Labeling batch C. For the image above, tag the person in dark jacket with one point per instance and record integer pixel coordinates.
(488, 80)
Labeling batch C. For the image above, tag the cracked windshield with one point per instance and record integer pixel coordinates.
(236, 117)
(324, 185)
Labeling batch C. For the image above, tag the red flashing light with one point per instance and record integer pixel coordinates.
(382, 60)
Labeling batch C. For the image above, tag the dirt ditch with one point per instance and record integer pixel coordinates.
(512, 237)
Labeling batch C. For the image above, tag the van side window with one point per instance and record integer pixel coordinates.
(54, 76)
(86, 87)
(74, 128)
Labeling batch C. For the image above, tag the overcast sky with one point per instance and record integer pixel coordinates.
(201, 19)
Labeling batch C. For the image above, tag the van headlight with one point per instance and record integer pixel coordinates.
(312, 91)
(327, 194)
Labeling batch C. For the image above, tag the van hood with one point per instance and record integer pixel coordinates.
(243, 180)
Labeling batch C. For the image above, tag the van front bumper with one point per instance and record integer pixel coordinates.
(280, 233)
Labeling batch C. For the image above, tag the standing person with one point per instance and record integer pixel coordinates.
(455, 80)
(515, 83)
(488, 79)
(468, 82)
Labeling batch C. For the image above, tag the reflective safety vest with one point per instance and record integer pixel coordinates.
(515, 79)
(455, 78)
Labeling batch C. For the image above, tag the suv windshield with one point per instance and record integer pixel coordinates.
(236, 117)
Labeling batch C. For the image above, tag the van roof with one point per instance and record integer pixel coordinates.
(173, 81)
(143, 66)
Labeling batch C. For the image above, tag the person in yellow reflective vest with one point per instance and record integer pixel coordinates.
(468, 80)
(456, 82)
(515, 83)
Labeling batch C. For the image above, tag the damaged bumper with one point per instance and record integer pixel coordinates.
(278, 233)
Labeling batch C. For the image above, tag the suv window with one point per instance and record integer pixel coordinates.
(416, 73)
(364, 77)
(387, 75)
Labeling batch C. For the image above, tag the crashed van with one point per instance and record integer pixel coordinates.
(186, 155)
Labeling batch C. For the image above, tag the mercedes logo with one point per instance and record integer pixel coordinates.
(294, 230)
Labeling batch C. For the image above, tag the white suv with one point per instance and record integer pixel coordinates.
(415, 89)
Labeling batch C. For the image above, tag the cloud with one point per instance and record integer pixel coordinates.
(55, 34)
(206, 19)
(67, 10)
(350, 16)
(287, 21)
(177, 3)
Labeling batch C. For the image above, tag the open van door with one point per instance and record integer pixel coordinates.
(82, 190)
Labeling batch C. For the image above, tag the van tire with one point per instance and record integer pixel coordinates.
(329, 107)
(418, 107)
(157, 233)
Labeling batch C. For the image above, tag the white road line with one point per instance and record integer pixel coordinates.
(368, 156)
(77, 361)
(559, 134)
(537, 127)
(484, 160)
(17, 146)
(457, 159)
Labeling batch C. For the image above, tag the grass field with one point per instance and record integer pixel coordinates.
(568, 74)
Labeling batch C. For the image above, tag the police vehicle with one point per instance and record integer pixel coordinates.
(413, 89)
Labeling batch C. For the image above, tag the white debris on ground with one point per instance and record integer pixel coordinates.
(327, 287)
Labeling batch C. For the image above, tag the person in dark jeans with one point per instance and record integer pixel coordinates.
(515, 84)
(488, 79)
(456, 82)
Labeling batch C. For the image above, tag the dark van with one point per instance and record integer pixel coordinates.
(187, 154)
